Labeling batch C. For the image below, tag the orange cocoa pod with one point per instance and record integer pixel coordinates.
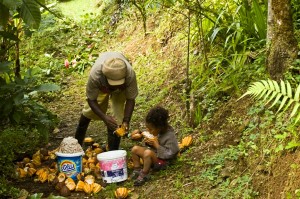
(90, 179)
(70, 184)
(96, 188)
(79, 186)
(61, 177)
(136, 136)
(87, 188)
(121, 193)
(187, 141)
(121, 131)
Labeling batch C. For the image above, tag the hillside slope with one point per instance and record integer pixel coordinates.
(233, 154)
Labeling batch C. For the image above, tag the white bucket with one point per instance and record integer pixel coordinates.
(113, 166)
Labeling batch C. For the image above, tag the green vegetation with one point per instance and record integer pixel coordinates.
(195, 58)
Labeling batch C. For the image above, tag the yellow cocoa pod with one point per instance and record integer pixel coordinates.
(130, 164)
(43, 176)
(187, 141)
(61, 177)
(51, 177)
(84, 160)
(92, 166)
(21, 173)
(88, 140)
(121, 193)
(87, 188)
(91, 160)
(79, 186)
(36, 160)
(26, 160)
(31, 171)
(180, 145)
(29, 164)
(95, 145)
(136, 136)
(96, 188)
(80, 176)
(90, 179)
(121, 131)
(86, 170)
(39, 171)
(70, 184)
(97, 150)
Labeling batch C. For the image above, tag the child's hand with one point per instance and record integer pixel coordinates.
(152, 142)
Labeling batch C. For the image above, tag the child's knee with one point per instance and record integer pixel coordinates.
(148, 153)
(135, 149)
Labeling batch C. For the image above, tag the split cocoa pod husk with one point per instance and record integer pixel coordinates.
(70, 183)
(120, 131)
(21, 173)
(96, 188)
(79, 186)
(90, 179)
(88, 188)
(121, 193)
(136, 134)
(61, 177)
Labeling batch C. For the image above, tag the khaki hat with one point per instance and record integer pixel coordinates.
(114, 70)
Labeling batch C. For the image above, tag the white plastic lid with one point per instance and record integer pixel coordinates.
(110, 155)
(69, 154)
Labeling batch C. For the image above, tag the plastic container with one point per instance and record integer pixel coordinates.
(113, 166)
(70, 163)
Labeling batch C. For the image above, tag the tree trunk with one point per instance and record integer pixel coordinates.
(283, 44)
(270, 23)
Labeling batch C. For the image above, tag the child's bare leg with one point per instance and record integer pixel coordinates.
(137, 153)
(149, 158)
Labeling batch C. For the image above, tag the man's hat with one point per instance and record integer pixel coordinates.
(114, 70)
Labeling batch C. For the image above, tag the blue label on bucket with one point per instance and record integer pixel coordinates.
(68, 166)
(71, 166)
(113, 173)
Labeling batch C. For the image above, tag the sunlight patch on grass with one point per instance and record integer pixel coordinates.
(75, 9)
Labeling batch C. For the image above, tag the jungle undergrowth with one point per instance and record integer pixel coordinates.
(200, 167)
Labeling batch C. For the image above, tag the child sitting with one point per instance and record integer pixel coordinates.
(161, 150)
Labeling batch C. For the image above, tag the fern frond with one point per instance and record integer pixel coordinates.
(269, 90)
(289, 90)
(295, 109)
(283, 89)
(297, 94)
(285, 98)
(279, 95)
(276, 86)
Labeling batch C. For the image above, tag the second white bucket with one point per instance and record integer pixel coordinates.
(113, 166)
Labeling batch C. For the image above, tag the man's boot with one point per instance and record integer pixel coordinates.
(81, 128)
(113, 140)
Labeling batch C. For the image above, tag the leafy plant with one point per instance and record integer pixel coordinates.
(268, 90)
(18, 104)
(17, 18)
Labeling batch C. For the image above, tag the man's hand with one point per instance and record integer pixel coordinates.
(111, 123)
(126, 126)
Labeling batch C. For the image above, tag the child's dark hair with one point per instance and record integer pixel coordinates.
(158, 117)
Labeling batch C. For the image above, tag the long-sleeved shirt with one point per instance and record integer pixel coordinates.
(168, 148)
